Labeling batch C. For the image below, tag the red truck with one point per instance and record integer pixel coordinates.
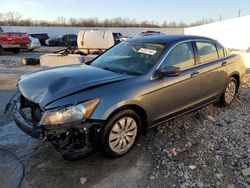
(13, 42)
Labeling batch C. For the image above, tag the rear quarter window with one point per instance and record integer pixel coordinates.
(207, 51)
(221, 51)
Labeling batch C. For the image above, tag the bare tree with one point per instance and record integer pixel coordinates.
(72, 22)
(1, 16)
(12, 18)
(61, 21)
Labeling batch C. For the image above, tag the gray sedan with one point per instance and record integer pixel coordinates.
(136, 85)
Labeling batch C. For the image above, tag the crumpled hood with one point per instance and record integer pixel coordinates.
(48, 85)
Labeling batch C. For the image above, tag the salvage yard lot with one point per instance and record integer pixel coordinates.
(209, 147)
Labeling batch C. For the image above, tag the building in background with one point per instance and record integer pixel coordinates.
(233, 33)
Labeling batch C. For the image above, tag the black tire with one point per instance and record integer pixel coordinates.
(30, 61)
(1, 50)
(79, 53)
(96, 52)
(223, 99)
(105, 135)
(16, 50)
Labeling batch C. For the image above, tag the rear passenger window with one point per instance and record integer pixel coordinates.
(220, 51)
(207, 51)
(181, 56)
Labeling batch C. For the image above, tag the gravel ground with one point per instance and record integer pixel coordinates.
(206, 148)
(14, 60)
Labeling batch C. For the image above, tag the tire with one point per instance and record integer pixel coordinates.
(16, 50)
(120, 133)
(30, 61)
(229, 93)
(79, 53)
(1, 50)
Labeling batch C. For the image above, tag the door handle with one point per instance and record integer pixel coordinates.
(194, 74)
(224, 64)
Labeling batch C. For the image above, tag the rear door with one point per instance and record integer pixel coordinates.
(212, 69)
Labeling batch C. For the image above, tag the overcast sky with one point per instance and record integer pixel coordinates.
(157, 10)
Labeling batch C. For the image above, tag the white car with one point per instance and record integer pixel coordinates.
(34, 43)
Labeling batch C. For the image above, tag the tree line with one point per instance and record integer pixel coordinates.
(16, 19)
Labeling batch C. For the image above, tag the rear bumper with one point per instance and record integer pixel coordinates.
(11, 46)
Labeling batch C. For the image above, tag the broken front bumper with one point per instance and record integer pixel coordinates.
(24, 123)
(73, 140)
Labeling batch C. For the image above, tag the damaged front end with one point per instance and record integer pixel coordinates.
(72, 135)
(56, 105)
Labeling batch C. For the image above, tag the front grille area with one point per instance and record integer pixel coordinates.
(31, 110)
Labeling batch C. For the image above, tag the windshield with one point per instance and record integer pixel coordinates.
(130, 57)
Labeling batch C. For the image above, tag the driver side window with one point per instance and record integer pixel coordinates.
(181, 56)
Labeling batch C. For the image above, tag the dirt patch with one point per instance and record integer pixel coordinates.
(8, 81)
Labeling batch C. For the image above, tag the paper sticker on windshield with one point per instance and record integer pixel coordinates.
(147, 51)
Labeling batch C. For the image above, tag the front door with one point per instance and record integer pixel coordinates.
(174, 94)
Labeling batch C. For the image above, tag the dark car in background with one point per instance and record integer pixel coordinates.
(146, 33)
(41, 36)
(117, 37)
(69, 40)
(135, 85)
(54, 41)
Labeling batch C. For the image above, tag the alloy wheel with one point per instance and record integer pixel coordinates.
(122, 135)
(230, 92)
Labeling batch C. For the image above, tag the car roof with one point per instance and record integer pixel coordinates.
(166, 39)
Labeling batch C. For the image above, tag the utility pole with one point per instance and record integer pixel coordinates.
(239, 13)
(220, 17)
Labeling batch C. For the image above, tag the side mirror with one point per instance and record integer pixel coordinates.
(168, 71)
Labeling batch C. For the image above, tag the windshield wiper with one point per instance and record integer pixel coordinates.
(114, 70)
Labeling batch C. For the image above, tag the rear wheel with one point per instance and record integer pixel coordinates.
(120, 133)
(1, 50)
(229, 93)
(16, 50)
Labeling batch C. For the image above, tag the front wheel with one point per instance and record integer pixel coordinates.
(229, 93)
(120, 133)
